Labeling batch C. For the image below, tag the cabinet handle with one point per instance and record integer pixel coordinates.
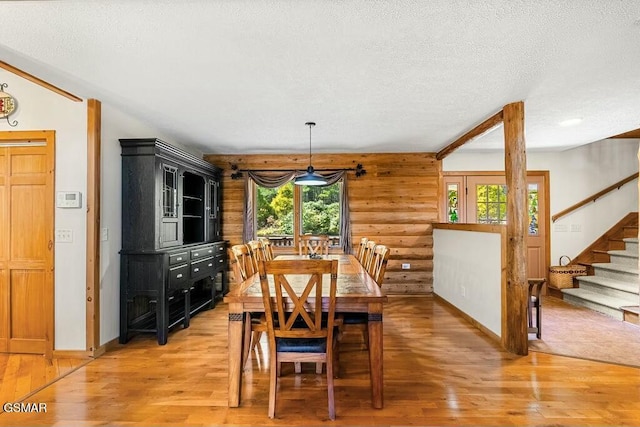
(210, 264)
(179, 259)
(196, 254)
(221, 261)
(195, 270)
(179, 276)
(209, 251)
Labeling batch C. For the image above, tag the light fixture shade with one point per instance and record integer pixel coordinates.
(310, 178)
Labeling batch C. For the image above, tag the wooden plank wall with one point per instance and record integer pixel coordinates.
(393, 204)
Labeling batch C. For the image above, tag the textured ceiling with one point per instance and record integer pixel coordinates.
(376, 76)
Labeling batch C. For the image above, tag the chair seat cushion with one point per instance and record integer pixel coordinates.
(354, 318)
(301, 345)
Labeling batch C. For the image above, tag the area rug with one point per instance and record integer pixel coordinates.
(573, 331)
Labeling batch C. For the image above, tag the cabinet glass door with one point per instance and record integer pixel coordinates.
(169, 191)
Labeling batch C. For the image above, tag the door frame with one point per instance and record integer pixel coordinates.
(48, 137)
(443, 205)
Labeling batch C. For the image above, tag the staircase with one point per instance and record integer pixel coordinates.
(613, 281)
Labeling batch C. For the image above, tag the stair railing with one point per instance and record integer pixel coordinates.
(595, 197)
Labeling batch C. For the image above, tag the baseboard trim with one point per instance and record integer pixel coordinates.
(108, 346)
(72, 354)
(470, 319)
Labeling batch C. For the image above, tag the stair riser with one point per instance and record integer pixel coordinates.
(632, 247)
(614, 274)
(604, 290)
(611, 312)
(624, 260)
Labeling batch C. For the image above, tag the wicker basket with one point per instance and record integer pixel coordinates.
(561, 276)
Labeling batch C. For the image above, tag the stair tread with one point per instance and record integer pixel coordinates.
(631, 239)
(623, 253)
(622, 285)
(605, 300)
(616, 267)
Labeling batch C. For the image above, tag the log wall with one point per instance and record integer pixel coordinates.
(393, 204)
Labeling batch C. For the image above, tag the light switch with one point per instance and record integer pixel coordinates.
(64, 235)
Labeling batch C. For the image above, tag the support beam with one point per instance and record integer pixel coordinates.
(474, 133)
(515, 298)
(39, 82)
(631, 134)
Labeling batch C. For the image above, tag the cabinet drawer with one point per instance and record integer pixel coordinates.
(205, 251)
(179, 258)
(202, 268)
(219, 248)
(178, 275)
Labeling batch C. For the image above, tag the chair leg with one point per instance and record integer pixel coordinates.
(273, 377)
(539, 318)
(318, 368)
(246, 339)
(330, 396)
(297, 366)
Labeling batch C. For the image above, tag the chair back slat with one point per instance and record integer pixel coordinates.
(312, 244)
(257, 252)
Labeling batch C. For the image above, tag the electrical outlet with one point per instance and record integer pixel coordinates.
(406, 266)
(463, 291)
(64, 235)
(104, 234)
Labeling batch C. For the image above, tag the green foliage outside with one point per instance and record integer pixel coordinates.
(320, 210)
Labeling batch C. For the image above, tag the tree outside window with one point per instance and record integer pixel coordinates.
(319, 212)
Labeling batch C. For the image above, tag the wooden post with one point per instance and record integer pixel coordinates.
(514, 331)
(94, 117)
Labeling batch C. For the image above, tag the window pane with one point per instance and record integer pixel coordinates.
(452, 190)
(274, 212)
(321, 211)
(533, 209)
(491, 204)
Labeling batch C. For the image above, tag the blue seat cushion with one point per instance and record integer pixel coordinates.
(355, 318)
(301, 345)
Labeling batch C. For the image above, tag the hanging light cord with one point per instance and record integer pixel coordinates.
(310, 124)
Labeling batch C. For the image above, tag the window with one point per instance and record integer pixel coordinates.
(317, 212)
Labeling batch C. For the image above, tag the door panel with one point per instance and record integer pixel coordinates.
(487, 202)
(26, 245)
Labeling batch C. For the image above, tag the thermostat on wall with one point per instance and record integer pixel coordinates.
(69, 199)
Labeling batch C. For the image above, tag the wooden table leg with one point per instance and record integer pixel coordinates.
(235, 354)
(376, 357)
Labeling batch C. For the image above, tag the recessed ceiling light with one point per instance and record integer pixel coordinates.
(570, 122)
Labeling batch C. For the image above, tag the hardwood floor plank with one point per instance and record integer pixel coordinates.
(439, 370)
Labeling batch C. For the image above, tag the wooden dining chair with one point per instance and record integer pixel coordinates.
(267, 247)
(303, 334)
(361, 249)
(368, 254)
(244, 267)
(377, 267)
(313, 244)
(378, 264)
(257, 252)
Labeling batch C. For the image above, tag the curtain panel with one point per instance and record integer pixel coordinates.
(277, 179)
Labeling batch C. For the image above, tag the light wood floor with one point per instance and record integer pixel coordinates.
(439, 370)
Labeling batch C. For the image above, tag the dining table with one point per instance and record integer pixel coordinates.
(356, 292)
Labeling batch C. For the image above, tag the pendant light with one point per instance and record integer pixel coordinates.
(310, 177)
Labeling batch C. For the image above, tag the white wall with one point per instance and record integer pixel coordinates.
(467, 273)
(41, 109)
(38, 109)
(574, 175)
(115, 125)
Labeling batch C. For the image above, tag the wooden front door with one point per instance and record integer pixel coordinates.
(26, 242)
(487, 202)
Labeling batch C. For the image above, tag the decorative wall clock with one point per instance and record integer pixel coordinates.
(7, 105)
